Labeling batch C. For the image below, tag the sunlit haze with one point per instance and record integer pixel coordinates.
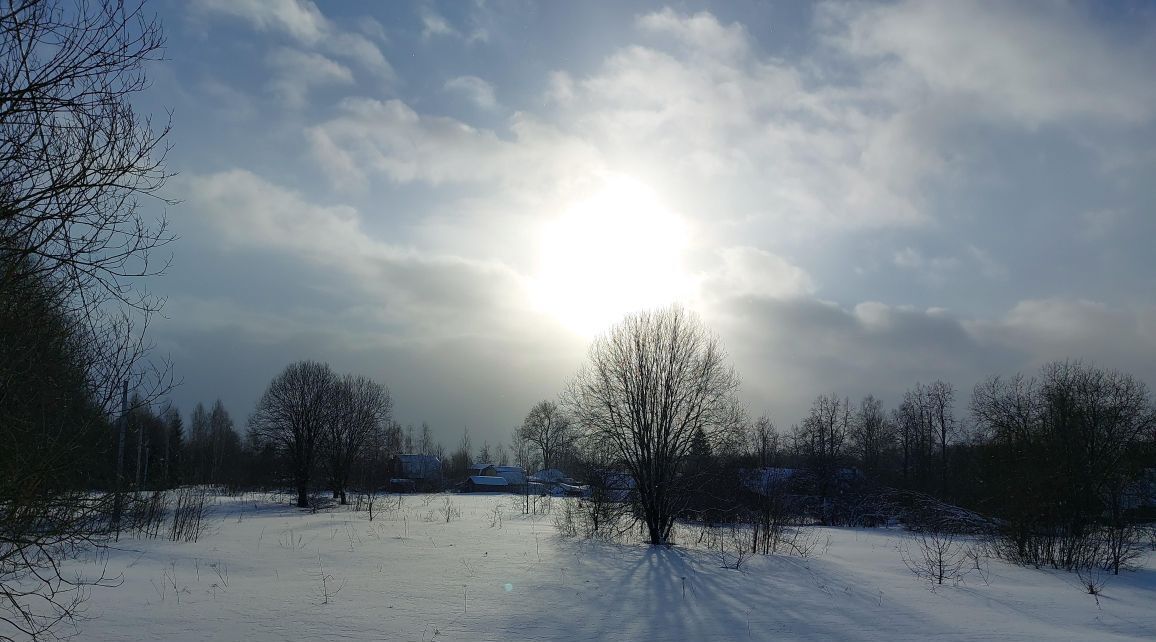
(616, 251)
(453, 198)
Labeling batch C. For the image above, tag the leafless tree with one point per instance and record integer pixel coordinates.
(871, 435)
(522, 451)
(74, 159)
(1064, 446)
(549, 429)
(652, 382)
(361, 410)
(926, 425)
(764, 441)
(939, 556)
(940, 397)
(821, 440)
(426, 445)
(293, 414)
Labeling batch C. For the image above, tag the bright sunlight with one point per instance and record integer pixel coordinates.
(615, 252)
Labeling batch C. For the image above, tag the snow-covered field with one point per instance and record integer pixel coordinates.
(268, 571)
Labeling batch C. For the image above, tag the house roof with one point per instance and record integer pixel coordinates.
(486, 480)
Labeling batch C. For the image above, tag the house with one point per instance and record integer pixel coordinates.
(482, 470)
(485, 484)
(424, 471)
(552, 481)
(514, 475)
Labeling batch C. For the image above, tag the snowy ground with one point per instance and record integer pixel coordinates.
(410, 575)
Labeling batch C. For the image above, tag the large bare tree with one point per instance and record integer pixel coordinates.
(547, 427)
(361, 411)
(75, 158)
(650, 384)
(293, 413)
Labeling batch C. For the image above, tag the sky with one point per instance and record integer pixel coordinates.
(454, 198)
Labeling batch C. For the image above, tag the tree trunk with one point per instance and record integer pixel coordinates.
(302, 496)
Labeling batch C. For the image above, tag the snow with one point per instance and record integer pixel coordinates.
(493, 574)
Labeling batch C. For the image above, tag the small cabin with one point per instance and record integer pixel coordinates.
(485, 484)
(424, 472)
(515, 475)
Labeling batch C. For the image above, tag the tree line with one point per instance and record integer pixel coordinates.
(1059, 467)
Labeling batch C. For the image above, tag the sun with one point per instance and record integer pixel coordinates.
(616, 251)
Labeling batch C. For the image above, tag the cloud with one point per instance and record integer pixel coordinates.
(303, 22)
(1099, 224)
(1007, 60)
(433, 24)
(372, 137)
(701, 32)
(478, 91)
(297, 72)
(299, 19)
(752, 272)
(790, 349)
(425, 295)
(787, 169)
(1055, 328)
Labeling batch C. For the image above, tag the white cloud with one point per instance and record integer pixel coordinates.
(302, 21)
(433, 24)
(297, 72)
(428, 294)
(702, 32)
(752, 272)
(755, 151)
(477, 90)
(299, 19)
(391, 138)
(1037, 65)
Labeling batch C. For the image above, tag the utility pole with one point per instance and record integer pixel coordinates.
(139, 453)
(118, 501)
(168, 450)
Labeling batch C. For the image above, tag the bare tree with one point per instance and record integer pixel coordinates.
(650, 384)
(1063, 448)
(361, 410)
(871, 435)
(549, 429)
(426, 445)
(764, 441)
(821, 441)
(224, 444)
(522, 451)
(926, 425)
(940, 397)
(293, 414)
(74, 159)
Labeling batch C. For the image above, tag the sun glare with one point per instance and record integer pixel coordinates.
(615, 252)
